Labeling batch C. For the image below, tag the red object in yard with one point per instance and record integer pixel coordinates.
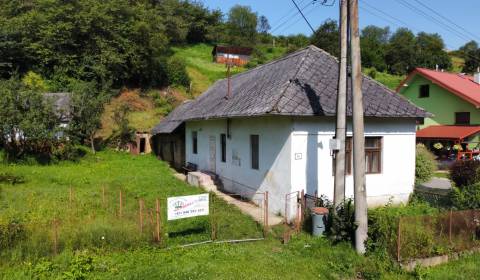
(450, 132)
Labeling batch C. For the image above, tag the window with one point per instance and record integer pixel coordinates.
(194, 142)
(223, 145)
(424, 91)
(462, 118)
(254, 141)
(373, 155)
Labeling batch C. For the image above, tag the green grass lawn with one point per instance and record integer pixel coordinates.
(94, 243)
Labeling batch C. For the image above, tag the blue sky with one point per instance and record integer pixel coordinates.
(464, 13)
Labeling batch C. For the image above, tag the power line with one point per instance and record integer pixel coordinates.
(432, 19)
(448, 20)
(403, 23)
(299, 19)
(306, 20)
(293, 16)
(289, 13)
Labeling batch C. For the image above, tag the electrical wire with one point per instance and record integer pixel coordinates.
(293, 16)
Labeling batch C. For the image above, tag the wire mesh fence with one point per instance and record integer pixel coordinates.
(432, 235)
(117, 219)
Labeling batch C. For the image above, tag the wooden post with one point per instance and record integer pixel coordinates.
(450, 216)
(55, 236)
(398, 238)
(213, 220)
(140, 214)
(120, 205)
(266, 210)
(360, 194)
(103, 197)
(157, 228)
(340, 127)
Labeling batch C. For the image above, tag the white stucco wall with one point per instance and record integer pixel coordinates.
(295, 156)
(236, 173)
(314, 170)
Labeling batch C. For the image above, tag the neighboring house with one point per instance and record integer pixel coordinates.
(238, 56)
(273, 133)
(62, 107)
(454, 101)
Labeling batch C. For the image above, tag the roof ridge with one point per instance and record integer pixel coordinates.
(295, 77)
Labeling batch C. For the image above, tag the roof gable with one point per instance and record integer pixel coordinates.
(462, 86)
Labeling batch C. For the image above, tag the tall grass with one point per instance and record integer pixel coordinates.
(72, 195)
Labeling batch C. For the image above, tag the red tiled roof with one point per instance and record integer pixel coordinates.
(447, 132)
(460, 85)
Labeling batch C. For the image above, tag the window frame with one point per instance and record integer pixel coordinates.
(195, 142)
(424, 91)
(370, 150)
(255, 151)
(466, 116)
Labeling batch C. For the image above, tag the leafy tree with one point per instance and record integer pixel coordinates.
(242, 25)
(326, 37)
(123, 133)
(401, 55)
(86, 111)
(177, 72)
(263, 25)
(374, 42)
(468, 48)
(472, 61)
(431, 51)
(28, 121)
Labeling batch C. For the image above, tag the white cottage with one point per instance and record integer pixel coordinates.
(272, 134)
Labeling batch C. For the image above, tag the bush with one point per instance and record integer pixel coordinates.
(177, 72)
(341, 225)
(425, 164)
(11, 232)
(467, 197)
(465, 173)
(383, 225)
(68, 151)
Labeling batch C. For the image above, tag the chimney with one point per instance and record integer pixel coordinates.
(436, 67)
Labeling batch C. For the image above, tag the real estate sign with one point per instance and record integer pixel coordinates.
(180, 207)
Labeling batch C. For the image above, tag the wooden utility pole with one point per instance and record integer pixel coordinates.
(340, 131)
(358, 132)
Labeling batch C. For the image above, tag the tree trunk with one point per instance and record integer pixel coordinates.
(92, 143)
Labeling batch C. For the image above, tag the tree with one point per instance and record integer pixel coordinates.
(471, 53)
(401, 52)
(263, 25)
(123, 133)
(28, 121)
(326, 37)
(86, 112)
(374, 42)
(430, 51)
(242, 26)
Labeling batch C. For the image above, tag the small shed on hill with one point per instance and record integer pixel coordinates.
(238, 56)
(141, 144)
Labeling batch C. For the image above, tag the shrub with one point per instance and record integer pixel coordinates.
(465, 173)
(341, 225)
(383, 225)
(177, 72)
(425, 165)
(467, 197)
(11, 232)
(68, 151)
(11, 179)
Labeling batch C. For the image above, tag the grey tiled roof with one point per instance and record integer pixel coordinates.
(303, 83)
(173, 120)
